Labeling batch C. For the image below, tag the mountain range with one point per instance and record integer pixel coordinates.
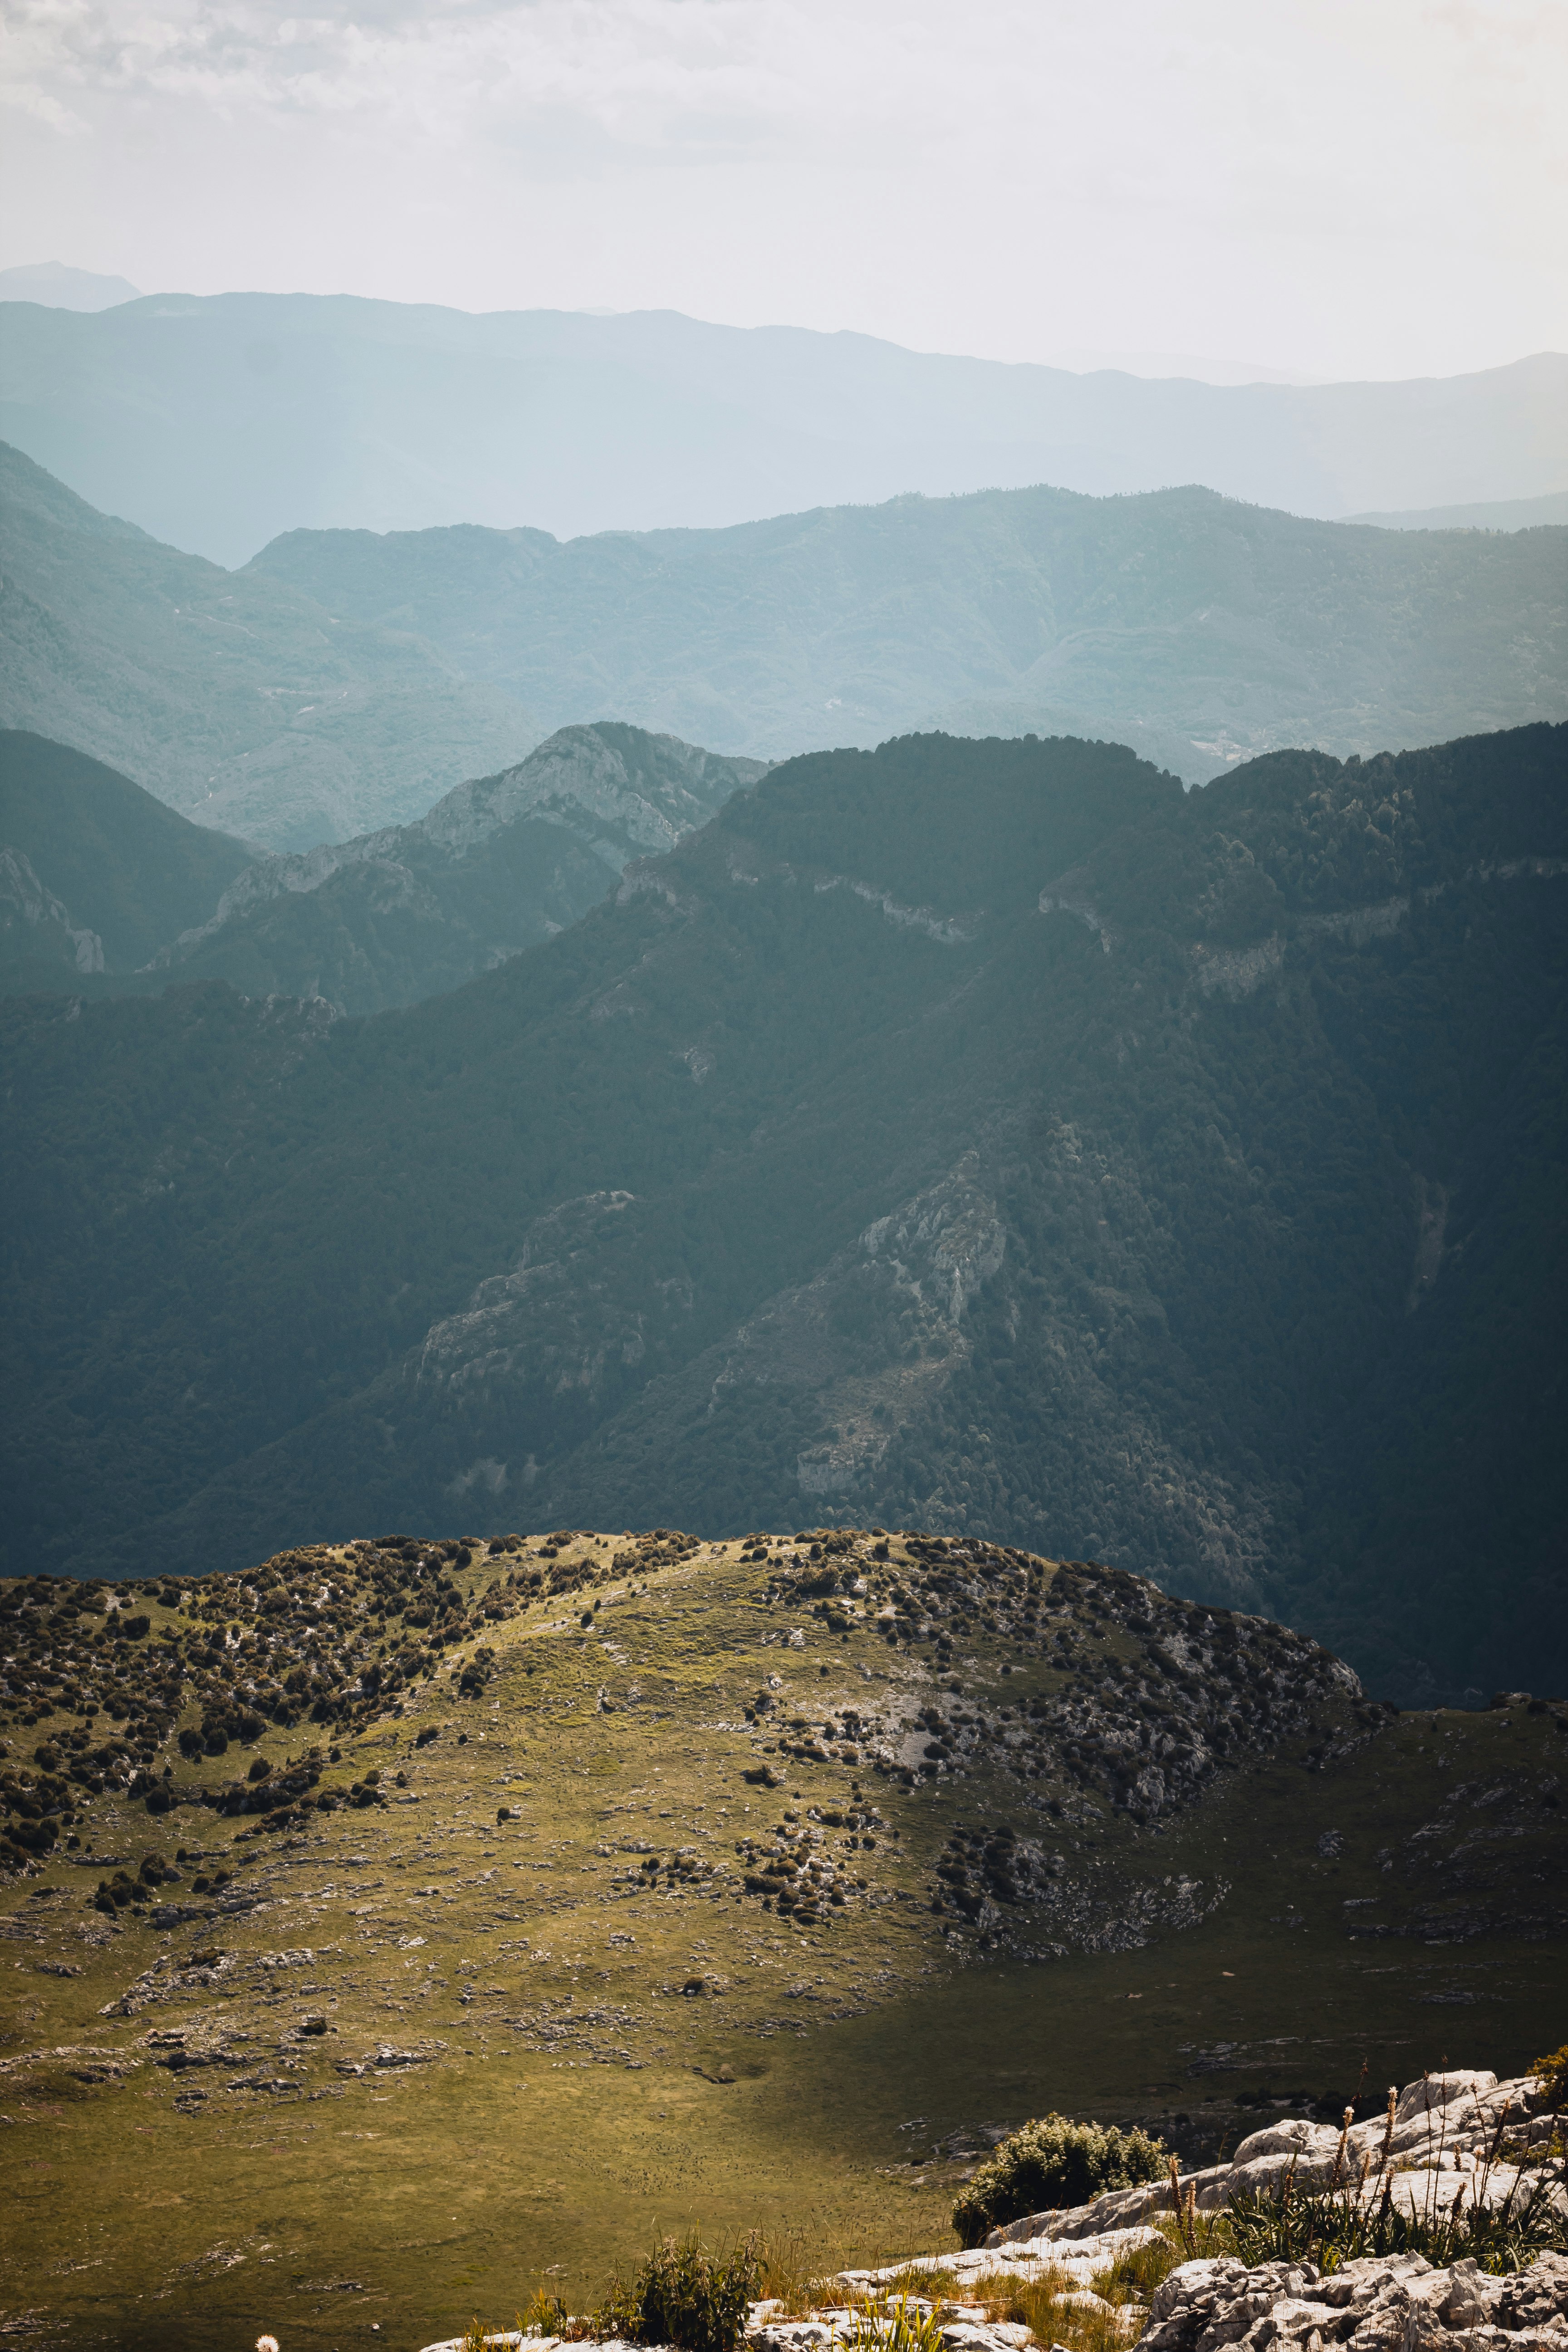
(1194, 628)
(980, 1135)
(231, 696)
(344, 682)
(104, 889)
(216, 421)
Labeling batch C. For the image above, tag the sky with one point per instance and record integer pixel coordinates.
(1338, 188)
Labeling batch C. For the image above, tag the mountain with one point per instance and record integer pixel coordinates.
(218, 422)
(781, 1877)
(237, 701)
(496, 865)
(58, 287)
(95, 873)
(1494, 514)
(981, 1136)
(105, 892)
(1195, 628)
(342, 682)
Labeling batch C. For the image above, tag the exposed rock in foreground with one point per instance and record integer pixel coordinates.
(1444, 2134)
(1442, 2140)
(1394, 2303)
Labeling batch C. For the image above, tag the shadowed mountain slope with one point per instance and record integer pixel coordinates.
(496, 866)
(983, 1135)
(98, 874)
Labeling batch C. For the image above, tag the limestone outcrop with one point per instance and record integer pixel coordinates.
(1384, 2304)
(1443, 2140)
(1443, 2137)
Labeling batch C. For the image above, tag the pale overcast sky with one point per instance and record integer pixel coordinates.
(1333, 187)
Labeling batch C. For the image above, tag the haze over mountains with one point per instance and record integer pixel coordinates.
(977, 1135)
(736, 1138)
(216, 423)
(344, 682)
(231, 696)
(1192, 626)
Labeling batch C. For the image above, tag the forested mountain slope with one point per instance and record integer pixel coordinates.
(498, 865)
(1194, 628)
(95, 873)
(235, 700)
(342, 682)
(980, 1135)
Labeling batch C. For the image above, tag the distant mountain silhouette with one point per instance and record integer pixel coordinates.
(216, 421)
(58, 287)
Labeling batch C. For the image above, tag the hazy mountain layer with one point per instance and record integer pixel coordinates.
(236, 700)
(1197, 629)
(218, 422)
(1493, 514)
(980, 1135)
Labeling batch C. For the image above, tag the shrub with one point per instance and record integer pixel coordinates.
(1053, 2162)
(1553, 2071)
(684, 2296)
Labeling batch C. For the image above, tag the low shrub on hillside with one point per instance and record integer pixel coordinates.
(1552, 2072)
(1053, 2162)
(684, 2296)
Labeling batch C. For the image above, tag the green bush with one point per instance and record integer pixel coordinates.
(684, 2296)
(1052, 2162)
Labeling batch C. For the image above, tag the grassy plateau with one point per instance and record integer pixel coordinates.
(654, 1883)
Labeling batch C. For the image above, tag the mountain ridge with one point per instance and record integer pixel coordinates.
(1218, 1134)
(1197, 629)
(388, 415)
(500, 863)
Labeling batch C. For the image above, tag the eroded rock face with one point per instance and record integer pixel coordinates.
(1383, 2304)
